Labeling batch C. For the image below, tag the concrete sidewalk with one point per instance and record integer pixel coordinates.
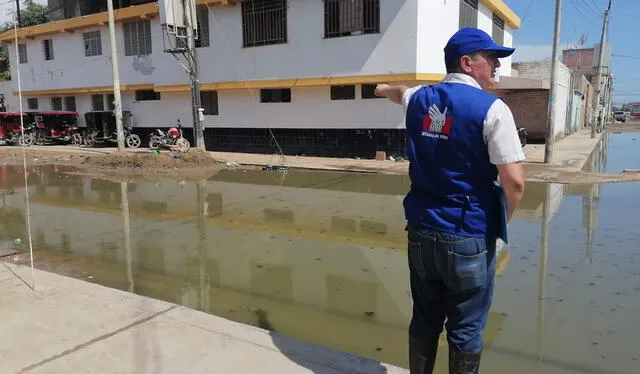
(72, 326)
(573, 150)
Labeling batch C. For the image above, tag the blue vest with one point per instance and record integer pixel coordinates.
(452, 179)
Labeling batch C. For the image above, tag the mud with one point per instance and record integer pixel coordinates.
(144, 163)
(196, 164)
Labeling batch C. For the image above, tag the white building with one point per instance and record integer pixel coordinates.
(304, 68)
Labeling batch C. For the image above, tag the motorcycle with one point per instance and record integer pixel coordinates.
(522, 134)
(172, 139)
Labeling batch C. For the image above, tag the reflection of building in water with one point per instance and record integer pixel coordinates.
(326, 261)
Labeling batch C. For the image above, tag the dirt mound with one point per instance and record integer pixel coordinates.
(152, 160)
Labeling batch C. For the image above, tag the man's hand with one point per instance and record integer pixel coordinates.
(393, 93)
(381, 89)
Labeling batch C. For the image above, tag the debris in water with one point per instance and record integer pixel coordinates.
(370, 314)
(275, 168)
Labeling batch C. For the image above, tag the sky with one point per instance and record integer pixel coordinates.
(534, 40)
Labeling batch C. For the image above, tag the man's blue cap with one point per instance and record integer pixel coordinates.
(469, 40)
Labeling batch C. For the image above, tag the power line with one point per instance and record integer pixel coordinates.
(589, 8)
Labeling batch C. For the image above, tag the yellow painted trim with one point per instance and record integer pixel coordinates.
(254, 84)
(92, 20)
(174, 88)
(310, 82)
(507, 15)
(144, 11)
(86, 90)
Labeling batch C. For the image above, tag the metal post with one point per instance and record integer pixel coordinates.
(598, 116)
(194, 74)
(116, 78)
(18, 13)
(548, 147)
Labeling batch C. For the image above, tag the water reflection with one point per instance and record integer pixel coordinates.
(321, 257)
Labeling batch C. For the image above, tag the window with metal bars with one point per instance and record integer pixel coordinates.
(147, 95)
(56, 103)
(48, 49)
(70, 103)
(368, 91)
(97, 102)
(92, 43)
(22, 53)
(137, 38)
(209, 100)
(468, 13)
(347, 92)
(264, 22)
(275, 95)
(498, 30)
(111, 101)
(203, 28)
(32, 104)
(351, 17)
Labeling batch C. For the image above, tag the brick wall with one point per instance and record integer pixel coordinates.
(530, 110)
(540, 70)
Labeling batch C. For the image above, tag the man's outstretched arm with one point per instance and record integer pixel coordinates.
(393, 93)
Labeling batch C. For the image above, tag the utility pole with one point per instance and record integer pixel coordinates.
(598, 115)
(548, 146)
(194, 74)
(116, 78)
(18, 14)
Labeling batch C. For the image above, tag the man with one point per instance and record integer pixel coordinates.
(460, 139)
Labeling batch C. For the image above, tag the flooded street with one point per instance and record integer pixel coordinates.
(321, 257)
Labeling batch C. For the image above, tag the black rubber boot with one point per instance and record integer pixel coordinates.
(463, 363)
(422, 355)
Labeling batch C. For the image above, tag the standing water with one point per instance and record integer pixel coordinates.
(321, 257)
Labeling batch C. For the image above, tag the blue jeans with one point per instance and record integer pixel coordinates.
(451, 277)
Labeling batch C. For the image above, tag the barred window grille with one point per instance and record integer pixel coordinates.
(468, 13)
(70, 103)
(22, 53)
(203, 28)
(56, 103)
(351, 17)
(92, 43)
(346, 92)
(48, 49)
(498, 30)
(368, 91)
(111, 102)
(137, 38)
(32, 104)
(275, 95)
(264, 22)
(97, 102)
(147, 95)
(209, 100)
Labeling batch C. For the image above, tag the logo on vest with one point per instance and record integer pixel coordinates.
(436, 124)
